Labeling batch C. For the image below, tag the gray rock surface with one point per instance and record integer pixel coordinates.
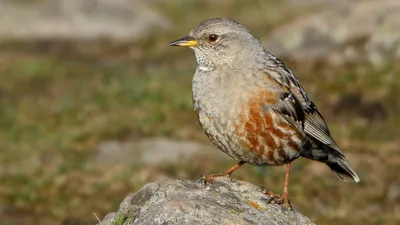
(335, 32)
(152, 151)
(223, 202)
(78, 19)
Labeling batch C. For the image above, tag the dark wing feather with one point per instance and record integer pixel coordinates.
(316, 127)
(296, 105)
(291, 107)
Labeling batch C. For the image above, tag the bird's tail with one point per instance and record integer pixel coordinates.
(334, 159)
(342, 169)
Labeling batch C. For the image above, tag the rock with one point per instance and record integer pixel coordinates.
(225, 201)
(79, 20)
(393, 193)
(382, 44)
(342, 33)
(310, 3)
(152, 151)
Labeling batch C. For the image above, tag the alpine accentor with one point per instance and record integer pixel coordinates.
(251, 105)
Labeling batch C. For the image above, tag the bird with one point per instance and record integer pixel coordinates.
(252, 107)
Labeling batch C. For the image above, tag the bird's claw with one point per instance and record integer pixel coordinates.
(208, 178)
(281, 199)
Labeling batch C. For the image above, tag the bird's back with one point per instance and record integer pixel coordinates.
(297, 107)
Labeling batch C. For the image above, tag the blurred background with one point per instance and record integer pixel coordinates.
(94, 103)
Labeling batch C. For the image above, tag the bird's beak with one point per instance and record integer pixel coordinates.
(185, 41)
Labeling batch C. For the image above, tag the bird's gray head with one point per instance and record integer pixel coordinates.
(217, 42)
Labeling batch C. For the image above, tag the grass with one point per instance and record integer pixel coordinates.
(56, 106)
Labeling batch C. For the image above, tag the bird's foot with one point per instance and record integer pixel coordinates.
(208, 178)
(281, 199)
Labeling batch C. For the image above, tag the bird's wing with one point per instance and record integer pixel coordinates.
(295, 104)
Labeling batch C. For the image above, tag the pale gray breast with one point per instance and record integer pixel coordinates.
(218, 99)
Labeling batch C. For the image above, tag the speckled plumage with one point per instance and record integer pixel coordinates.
(252, 106)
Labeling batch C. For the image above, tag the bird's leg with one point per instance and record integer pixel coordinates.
(282, 199)
(210, 177)
(285, 194)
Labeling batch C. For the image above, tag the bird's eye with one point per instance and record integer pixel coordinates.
(213, 37)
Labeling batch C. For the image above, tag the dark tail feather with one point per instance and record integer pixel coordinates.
(342, 169)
